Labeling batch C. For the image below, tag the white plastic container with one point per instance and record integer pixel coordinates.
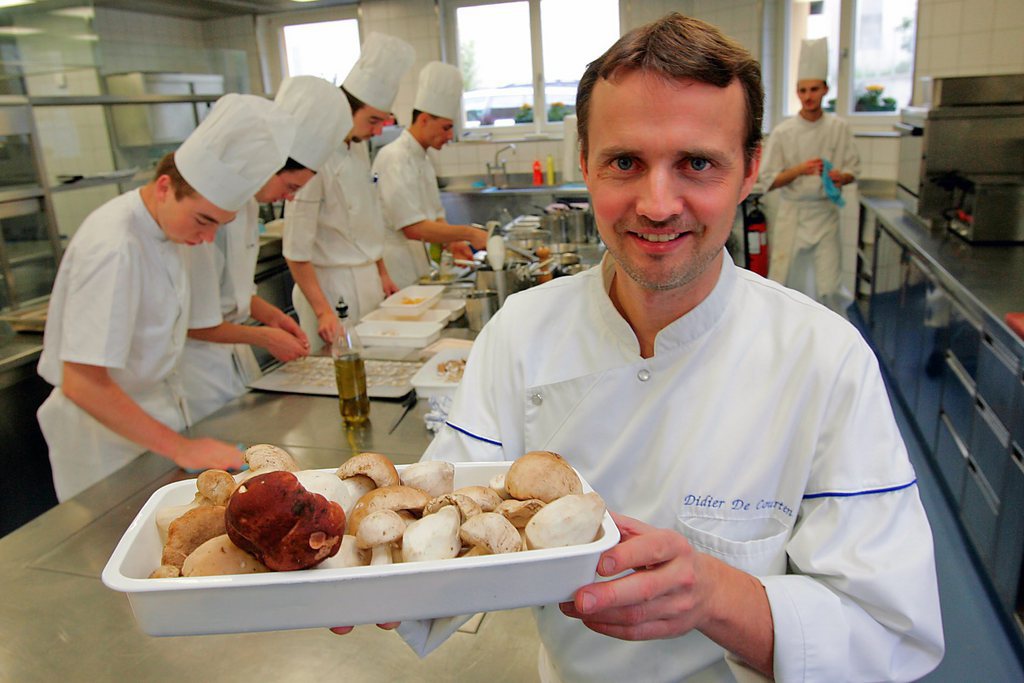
(314, 598)
(454, 307)
(412, 301)
(405, 333)
(429, 383)
(431, 315)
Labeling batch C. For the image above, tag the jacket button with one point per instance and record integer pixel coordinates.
(536, 399)
(643, 375)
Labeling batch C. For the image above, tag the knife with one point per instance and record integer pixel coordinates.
(408, 403)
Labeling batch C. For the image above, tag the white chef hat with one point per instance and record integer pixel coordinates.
(377, 73)
(440, 90)
(322, 118)
(813, 63)
(239, 146)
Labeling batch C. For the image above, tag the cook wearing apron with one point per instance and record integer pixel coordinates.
(407, 181)
(767, 455)
(121, 301)
(804, 237)
(214, 372)
(334, 230)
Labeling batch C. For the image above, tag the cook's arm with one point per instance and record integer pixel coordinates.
(442, 232)
(304, 274)
(92, 389)
(281, 344)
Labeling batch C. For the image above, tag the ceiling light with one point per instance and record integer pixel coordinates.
(19, 31)
(304, 0)
(76, 12)
(14, 3)
(85, 36)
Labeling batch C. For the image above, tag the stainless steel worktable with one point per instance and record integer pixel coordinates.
(58, 622)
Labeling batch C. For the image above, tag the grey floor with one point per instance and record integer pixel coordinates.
(978, 647)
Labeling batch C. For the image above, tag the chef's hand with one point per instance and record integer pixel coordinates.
(205, 453)
(666, 596)
(328, 326)
(287, 323)
(388, 284)
(283, 345)
(460, 250)
(342, 630)
(839, 178)
(478, 239)
(811, 167)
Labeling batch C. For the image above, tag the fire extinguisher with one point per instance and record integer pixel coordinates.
(755, 232)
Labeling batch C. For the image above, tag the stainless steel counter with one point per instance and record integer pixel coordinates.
(59, 622)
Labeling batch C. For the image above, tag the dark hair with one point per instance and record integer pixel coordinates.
(679, 47)
(416, 113)
(292, 165)
(354, 103)
(167, 167)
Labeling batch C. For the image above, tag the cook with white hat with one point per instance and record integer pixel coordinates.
(408, 183)
(334, 231)
(218, 362)
(804, 236)
(120, 305)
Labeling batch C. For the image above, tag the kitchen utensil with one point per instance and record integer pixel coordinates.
(407, 405)
(480, 306)
(503, 282)
(496, 252)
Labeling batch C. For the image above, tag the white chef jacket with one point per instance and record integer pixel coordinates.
(120, 301)
(760, 430)
(408, 190)
(806, 218)
(222, 271)
(335, 222)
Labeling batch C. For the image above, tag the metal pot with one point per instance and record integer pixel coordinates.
(576, 226)
(529, 238)
(504, 282)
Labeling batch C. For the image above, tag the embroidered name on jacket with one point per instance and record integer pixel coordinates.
(736, 504)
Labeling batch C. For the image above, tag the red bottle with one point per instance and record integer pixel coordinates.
(538, 176)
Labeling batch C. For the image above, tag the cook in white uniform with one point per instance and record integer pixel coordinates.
(334, 231)
(120, 306)
(218, 361)
(773, 515)
(408, 184)
(805, 233)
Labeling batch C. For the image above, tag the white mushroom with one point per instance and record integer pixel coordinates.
(570, 520)
(486, 497)
(388, 497)
(490, 534)
(542, 474)
(467, 506)
(433, 477)
(349, 555)
(519, 512)
(328, 486)
(263, 458)
(497, 483)
(378, 531)
(373, 465)
(219, 556)
(435, 537)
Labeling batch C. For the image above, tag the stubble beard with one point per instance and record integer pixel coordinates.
(681, 274)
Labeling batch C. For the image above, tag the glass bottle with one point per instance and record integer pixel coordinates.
(350, 372)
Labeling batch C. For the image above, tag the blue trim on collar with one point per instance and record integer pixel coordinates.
(472, 435)
(867, 492)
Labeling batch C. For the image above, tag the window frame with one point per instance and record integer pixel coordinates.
(270, 37)
(540, 127)
(842, 90)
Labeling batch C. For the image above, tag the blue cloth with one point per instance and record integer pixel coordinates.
(831, 191)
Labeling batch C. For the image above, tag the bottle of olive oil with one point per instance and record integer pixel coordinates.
(350, 372)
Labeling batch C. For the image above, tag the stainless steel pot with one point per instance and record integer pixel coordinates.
(528, 238)
(504, 282)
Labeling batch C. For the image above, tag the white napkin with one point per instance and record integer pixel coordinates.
(423, 636)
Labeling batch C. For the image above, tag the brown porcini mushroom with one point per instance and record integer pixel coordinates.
(373, 465)
(543, 475)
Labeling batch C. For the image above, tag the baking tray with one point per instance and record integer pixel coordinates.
(404, 333)
(412, 301)
(315, 375)
(341, 597)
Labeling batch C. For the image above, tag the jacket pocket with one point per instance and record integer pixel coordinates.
(756, 545)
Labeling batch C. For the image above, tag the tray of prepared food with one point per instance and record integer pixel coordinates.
(404, 333)
(412, 301)
(315, 375)
(441, 374)
(274, 548)
(431, 315)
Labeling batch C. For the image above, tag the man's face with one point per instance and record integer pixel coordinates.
(368, 122)
(284, 185)
(665, 169)
(811, 92)
(437, 131)
(189, 220)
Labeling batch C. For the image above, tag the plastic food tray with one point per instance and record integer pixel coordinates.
(431, 315)
(406, 333)
(340, 597)
(428, 383)
(454, 307)
(412, 301)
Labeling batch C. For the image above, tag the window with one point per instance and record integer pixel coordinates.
(879, 37)
(327, 49)
(512, 68)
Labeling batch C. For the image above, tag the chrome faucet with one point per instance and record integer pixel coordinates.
(499, 165)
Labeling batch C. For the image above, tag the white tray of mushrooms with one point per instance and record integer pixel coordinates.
(377, 543)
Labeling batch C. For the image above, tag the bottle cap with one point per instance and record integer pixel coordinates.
(342, 308)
